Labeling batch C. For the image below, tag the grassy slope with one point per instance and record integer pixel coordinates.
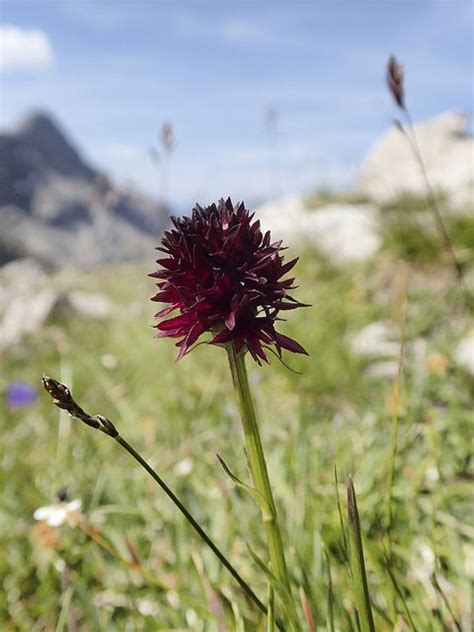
(331, 414)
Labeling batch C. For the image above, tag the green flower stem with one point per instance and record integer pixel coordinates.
(258, 466)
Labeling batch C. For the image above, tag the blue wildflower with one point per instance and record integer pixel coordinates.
(20, 394)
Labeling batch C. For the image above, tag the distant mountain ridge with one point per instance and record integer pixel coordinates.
(60, 210)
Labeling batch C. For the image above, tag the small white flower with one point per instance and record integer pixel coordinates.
(184, 467)
(60, 565)
(428, 557)
(173, 598)
(468, 551)
(59, 513)
(432, 474)
(109, 361)
(191, 618)
(147, 608)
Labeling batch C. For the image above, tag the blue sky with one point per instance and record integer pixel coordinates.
(113, 71)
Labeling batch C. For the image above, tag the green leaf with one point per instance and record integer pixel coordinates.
(256, 495)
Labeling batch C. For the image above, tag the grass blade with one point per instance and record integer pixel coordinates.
(359, 577)
(330, 598)
(339, 509)
(271, 610)
(399, 592)
(395, 414)
(306, 610)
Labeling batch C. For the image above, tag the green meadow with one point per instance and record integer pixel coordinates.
(132, 563)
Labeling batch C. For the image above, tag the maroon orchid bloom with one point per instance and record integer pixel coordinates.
(224, 276)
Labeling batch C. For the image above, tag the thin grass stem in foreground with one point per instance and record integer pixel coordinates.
(63, 398)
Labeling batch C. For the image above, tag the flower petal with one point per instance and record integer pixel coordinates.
(42, 513)
(290, 344)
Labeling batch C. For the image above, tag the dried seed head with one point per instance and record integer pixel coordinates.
(168, 139)
(60, 393)
(395, 81)
(62, 398)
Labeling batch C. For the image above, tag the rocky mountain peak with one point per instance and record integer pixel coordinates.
(42, 135)
(58, 209)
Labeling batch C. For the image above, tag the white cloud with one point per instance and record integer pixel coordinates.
(24, 49)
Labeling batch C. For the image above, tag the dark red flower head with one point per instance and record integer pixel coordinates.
(223, 276)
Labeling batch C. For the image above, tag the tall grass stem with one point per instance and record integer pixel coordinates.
(395, 414)
(434, 205)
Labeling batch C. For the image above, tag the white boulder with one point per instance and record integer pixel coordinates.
(91, 304)
(390, 168)
(343, 232)
(379, 339)
(25, 300)
(29, 297)
(464, 354)
(379, 344)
